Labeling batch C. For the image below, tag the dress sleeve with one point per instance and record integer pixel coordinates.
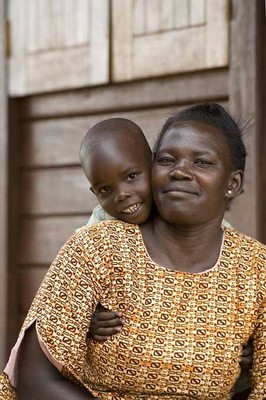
(64, 304)
(7, 392)
(258, 373)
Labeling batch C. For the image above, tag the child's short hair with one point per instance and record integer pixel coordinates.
(113, 126)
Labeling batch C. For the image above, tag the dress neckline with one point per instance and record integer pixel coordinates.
(176, 271)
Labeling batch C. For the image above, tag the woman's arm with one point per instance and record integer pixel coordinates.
(38, 379)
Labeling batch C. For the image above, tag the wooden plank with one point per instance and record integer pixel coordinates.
(179, 52)
(152, 16)
(53, 142)
(180, 13)
(57, 142)
(71, 22)
(45, 28)
(3, 187)
(180, 89)
(167, 13)
(84, 16)
(122, 35)
(56, 191)
(17, 61)
(42, 238)
(138, 17)
(243, 103)
(58, 24)
(197, 12)
(217, 32)
(29, 281)
(47, 72)
(99, 48)
(32, 27)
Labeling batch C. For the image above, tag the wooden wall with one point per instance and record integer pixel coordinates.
(138, 59)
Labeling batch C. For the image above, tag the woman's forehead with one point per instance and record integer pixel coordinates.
(193, 134)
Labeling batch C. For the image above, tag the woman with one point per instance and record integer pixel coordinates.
(192, 293)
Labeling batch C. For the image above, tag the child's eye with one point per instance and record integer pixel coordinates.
(133, 176)
(104, 189)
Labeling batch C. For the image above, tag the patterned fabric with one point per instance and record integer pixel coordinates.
(6, 390)
(183, 332)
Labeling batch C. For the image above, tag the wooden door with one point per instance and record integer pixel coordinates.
(160, 37)
(58, 44)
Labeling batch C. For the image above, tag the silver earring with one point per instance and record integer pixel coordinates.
(229, 191)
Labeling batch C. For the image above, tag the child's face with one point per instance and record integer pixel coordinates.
(120, 178)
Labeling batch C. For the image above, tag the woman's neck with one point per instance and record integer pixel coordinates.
(185, 248)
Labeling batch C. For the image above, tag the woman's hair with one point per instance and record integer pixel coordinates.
(216, 116)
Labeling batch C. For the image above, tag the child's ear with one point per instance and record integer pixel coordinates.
(235, 186)
(91, 189)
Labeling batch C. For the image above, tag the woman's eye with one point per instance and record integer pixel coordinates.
(165, 160)
(133, 176)
(202, 162)
(104, 189)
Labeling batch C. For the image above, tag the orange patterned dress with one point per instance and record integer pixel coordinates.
(183, 332)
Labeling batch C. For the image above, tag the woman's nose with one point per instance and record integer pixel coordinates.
(181, 171)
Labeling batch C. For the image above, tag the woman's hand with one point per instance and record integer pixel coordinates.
(105, 323)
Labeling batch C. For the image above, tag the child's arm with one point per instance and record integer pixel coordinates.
(105, 323)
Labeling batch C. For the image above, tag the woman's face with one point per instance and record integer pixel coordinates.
(191, 174)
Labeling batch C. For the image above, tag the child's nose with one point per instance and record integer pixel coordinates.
(120, 196)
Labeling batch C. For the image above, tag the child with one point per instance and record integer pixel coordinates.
(116, 159)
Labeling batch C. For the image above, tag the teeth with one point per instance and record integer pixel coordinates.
(132, 209)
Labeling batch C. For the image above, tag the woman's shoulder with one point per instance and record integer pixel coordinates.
(243, 239)
(248, 247)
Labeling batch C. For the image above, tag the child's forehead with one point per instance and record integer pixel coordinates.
(126, 146)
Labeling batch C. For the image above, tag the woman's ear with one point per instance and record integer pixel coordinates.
(235, 185)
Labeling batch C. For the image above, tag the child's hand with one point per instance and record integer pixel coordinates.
(104, 323)
(247, 356)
